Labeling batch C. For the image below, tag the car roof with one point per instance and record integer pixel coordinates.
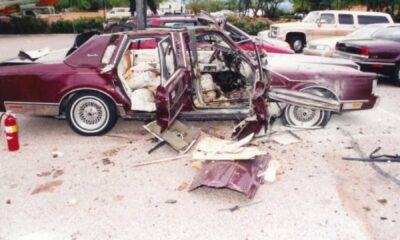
(352, 12)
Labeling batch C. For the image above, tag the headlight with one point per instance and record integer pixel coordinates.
(323, 47)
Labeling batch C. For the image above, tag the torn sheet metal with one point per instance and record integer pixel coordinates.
(286, 137)
(304, 99)
(242, 176)
(180, 137)
(34, 54)
(220, 149)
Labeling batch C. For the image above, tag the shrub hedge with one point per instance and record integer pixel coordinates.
(29, 24)
(250, 25)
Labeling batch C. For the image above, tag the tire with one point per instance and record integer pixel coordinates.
(297, 43)
(306, 117)
(396, 75)
(91, 114)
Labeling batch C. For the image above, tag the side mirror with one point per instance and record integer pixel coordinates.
(321, 21)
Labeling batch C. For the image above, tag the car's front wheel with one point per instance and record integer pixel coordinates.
(91, 114)
(297, 43)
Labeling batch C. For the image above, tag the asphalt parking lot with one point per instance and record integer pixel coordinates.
(96, 192)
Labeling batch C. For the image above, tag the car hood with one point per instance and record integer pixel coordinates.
(293, 25)
(304, 68)
(276, 59)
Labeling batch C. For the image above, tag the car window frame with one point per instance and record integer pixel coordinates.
(326, 23)
(346, 14)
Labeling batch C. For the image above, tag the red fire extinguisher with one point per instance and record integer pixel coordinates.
(11, 130)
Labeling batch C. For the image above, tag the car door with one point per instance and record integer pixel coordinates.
(346, 24)
(258, 118)
(326, 26)
(171, 94)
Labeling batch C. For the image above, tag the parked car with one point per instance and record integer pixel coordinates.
(320, 24)
(118, 12)
(326, 46)
(179, 21)
(379, 54)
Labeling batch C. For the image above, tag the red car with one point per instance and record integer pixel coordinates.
(379, 54)
(195, 73)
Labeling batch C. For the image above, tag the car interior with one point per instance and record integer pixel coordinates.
(222, 79)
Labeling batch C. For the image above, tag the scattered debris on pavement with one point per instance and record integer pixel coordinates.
(382, 201)
(272, 171)
(373, 157)
(171, 201)
(179, 136)
(57, 154)
(107, 161)
(197, 164)
(47, 187)
(168, 159)
(72, 202)
(183, 186)
(242, 176)
(286, 137)
(237, 207)
(58, 173)
(211, 148)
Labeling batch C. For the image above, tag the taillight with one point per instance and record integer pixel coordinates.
(364, 51)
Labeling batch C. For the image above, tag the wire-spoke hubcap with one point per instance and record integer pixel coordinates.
(90, 114)
(303, 117)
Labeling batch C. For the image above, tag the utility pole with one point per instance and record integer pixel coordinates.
(141, 14)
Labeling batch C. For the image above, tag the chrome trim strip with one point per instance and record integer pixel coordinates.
(379, 63)
(33, 108)
(354, 101)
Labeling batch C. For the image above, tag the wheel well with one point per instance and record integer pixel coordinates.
(67, 98)
(295, 34)
(325, 91)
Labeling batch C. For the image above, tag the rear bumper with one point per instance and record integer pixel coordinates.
(354, 105)
(366, 65)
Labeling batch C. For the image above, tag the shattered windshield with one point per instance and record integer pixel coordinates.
(312, 17)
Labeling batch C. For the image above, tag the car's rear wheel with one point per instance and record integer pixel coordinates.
(297, 43)
(396, 75)
(306, 117)
(91, 114)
